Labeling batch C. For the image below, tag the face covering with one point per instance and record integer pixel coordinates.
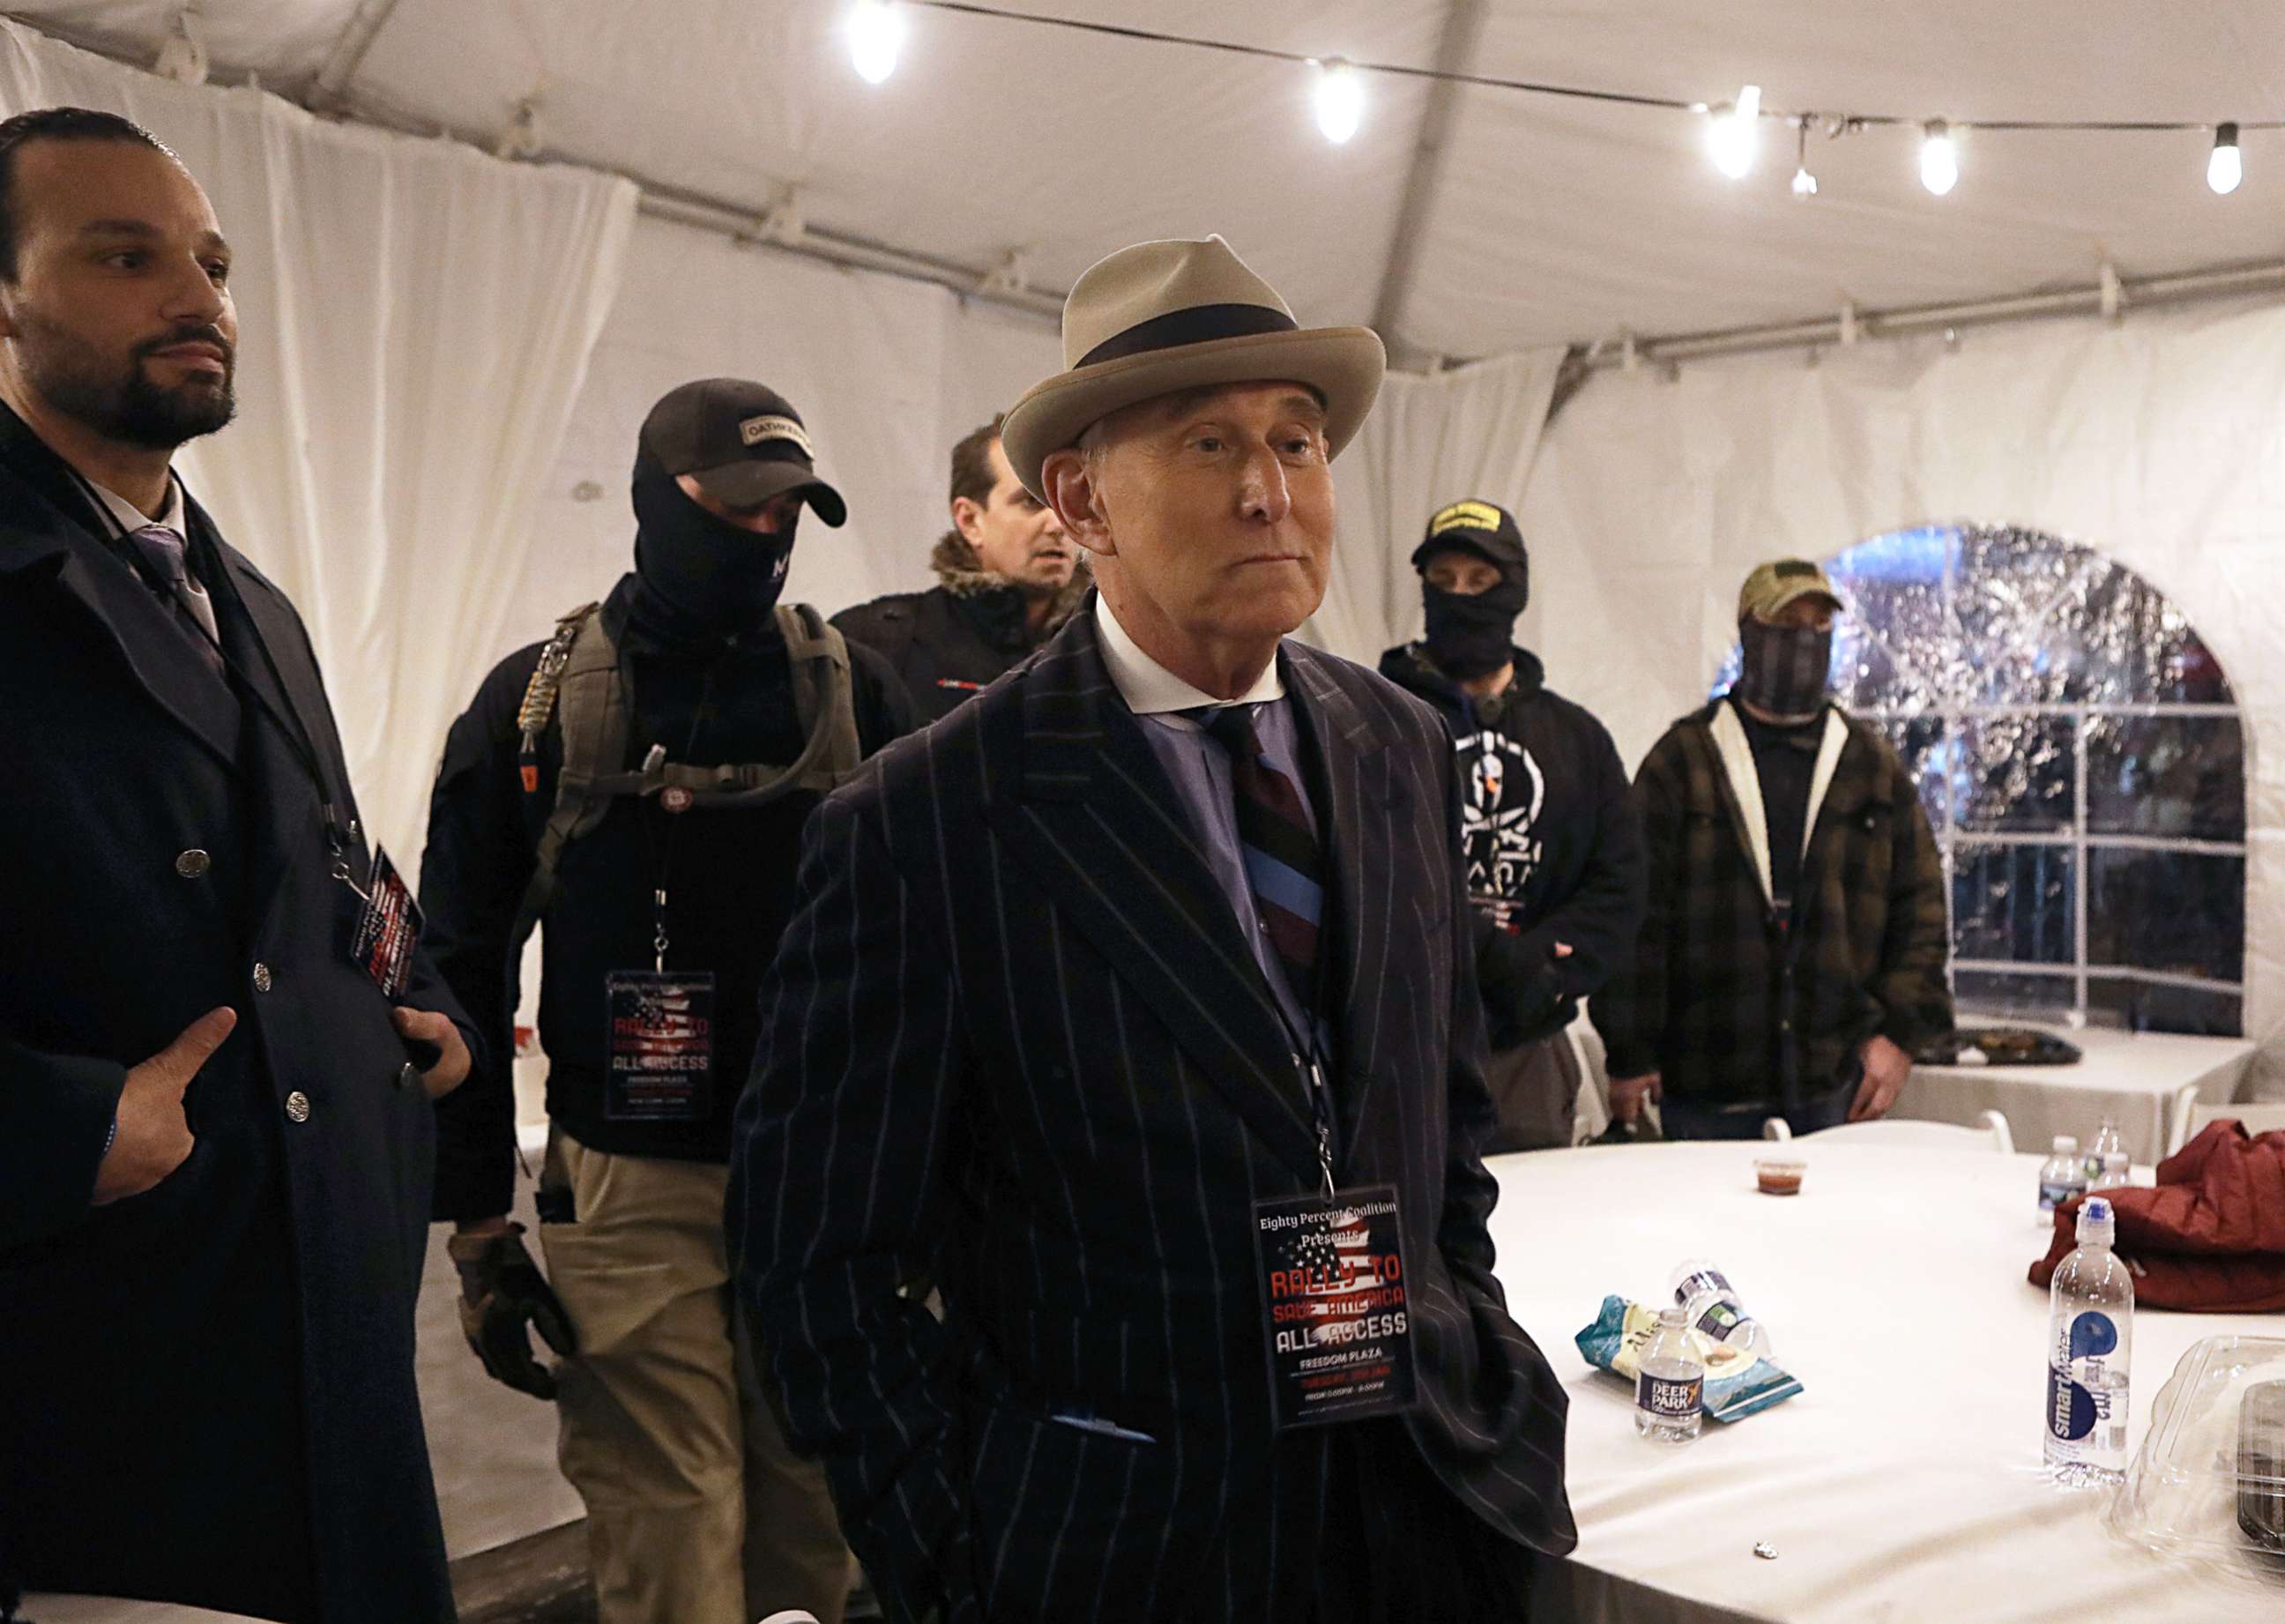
(1473, 635)
(712, 575)
(1785, 669)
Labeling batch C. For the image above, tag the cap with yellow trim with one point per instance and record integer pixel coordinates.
(1484, 528)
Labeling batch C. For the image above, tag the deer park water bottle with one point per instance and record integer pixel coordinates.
(1670, 1383)
(1710, 1304)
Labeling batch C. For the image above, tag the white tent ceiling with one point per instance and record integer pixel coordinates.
(1547, 220)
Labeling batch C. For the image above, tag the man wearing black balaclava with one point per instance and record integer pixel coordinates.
(1554, 864)
(1794, 952)
(637, 786)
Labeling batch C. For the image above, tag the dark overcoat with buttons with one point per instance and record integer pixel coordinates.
(208, 1388)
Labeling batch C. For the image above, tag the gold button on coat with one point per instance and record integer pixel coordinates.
(193, 864)
(297, 1107)
(262, 977)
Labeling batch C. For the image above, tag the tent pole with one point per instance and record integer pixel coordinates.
(2186, 288)
(348, 55)
(1455, 51)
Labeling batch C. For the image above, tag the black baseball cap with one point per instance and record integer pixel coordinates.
(1482, 528)
(743, 444)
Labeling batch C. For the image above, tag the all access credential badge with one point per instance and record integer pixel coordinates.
(1340, 1331)
(662, 1046)
(387, 928)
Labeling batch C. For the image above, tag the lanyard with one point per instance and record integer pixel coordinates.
(662, 854)
(297, 740)
(1321, 1102)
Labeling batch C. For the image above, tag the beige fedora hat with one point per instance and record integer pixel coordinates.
(1161, 317)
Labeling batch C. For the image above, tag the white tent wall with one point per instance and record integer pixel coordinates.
(2159, 442)
(1472, 432)
(404, 376)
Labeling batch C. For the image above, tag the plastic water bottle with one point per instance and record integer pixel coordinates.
(2090, 1349)
(1710, 1304)
(2116, 1172)
(1670, 1383)
(2062, 1176)
(2105, 1143)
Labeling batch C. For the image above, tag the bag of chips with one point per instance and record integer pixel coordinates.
(1737, 1383)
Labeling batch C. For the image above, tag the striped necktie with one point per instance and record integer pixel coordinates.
(1279, 844)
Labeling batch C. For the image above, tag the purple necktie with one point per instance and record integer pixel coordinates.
(162, 551)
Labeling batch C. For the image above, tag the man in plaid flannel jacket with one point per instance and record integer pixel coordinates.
(1793, 951)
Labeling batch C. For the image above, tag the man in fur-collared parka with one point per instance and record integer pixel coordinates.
(1007, 580)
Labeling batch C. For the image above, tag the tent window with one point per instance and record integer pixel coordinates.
(2078, 749)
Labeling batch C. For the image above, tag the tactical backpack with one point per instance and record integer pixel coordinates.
(578, 671)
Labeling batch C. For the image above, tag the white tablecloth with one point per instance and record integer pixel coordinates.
(2134, 1077)
(1903, 1484)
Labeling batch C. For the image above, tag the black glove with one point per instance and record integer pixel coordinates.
(1521, 996)
(502, 1291)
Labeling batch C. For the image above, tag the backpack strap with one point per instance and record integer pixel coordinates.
(582, 686)
(824, 695)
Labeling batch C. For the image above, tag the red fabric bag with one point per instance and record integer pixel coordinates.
(2211, 1237)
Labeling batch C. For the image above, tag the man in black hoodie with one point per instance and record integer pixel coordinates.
(1007, 580)
(1555, 862)
(637, 785)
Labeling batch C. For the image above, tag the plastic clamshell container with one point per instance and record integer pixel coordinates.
(2203, 1486)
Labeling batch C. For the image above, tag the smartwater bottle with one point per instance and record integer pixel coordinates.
(2106, 1141)
(2090, 1346)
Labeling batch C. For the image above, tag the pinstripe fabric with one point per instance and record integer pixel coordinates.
(1014, 1039)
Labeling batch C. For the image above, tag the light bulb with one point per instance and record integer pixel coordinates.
(1735, 132)
(877, 34)
(1340, 100)
(1804, 183)
(1939, 157)
(2227, 167)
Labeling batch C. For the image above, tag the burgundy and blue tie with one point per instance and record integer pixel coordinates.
(1283, 863)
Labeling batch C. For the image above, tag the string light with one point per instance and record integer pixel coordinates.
(876, 34)
(877, 29)
(1939, 157)
(1804, 183)
(1736, 132)
(1340, 100)
(2227, 167)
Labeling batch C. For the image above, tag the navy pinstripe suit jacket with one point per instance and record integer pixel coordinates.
(1014, 1039)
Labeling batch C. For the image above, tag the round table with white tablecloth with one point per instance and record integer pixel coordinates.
(1903, 1484)
(2137, 1078)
